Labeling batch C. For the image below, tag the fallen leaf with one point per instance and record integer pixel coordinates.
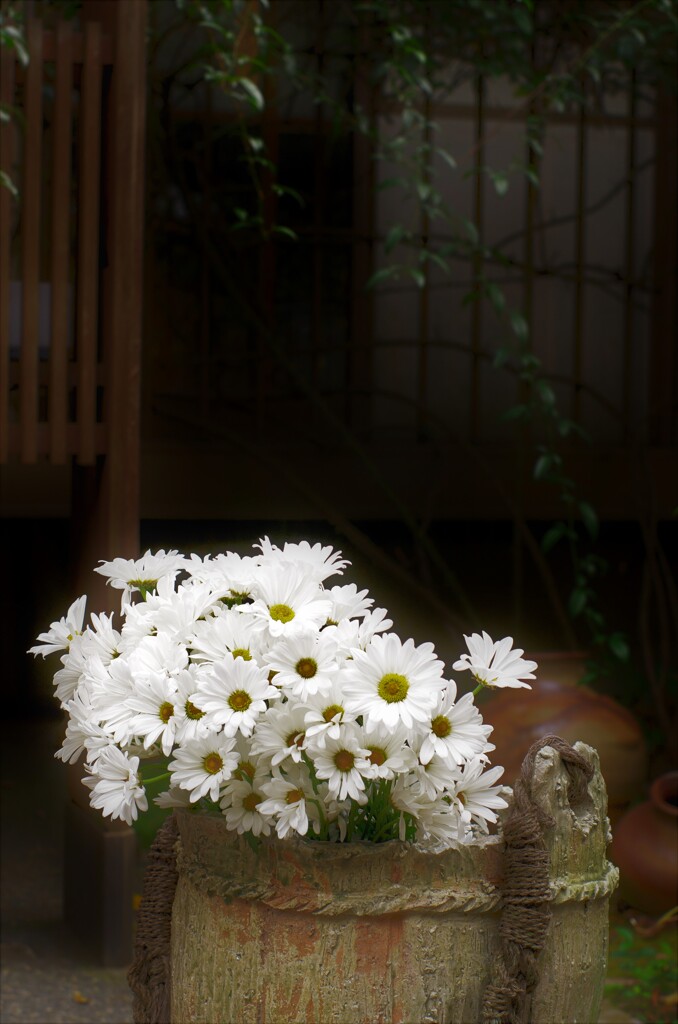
(78, 997)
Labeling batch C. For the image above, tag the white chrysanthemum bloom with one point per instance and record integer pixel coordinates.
(280, 735)
(287, 601)
(229, 632)
(231, 576)
(289, 800)
(67, 679)
(83, 733)
(352, 633)
(155, 707)
(495, 664)
(344, 765)
(241, 803)
(393, 682)
(441, 821)
(476, 793)
(455, 730)
(305, 664)
(348, 603)
(115, 786)
(110, 686)
(191, 723)
(316, 561)
(141, 574)
(202, 766)
(102, 638)
(233, 694)
(60, 635)
(173, 797)
(389, 753)
(436, 776)
(325, 713)
(159, 653)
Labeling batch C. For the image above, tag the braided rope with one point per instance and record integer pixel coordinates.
(149, 976)
(527, 894)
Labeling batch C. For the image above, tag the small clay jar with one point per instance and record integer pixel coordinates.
(645, 849)
(556, 705)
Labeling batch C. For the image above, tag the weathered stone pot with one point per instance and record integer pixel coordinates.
(363, 934)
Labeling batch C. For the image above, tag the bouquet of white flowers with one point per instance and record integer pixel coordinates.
(276, 700)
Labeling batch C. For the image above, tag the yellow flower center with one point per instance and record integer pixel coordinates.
(165, 712)
(245, 770)
(242, 652)
(281, 612)
(293, 796)
(441, 726)
(393, 688)
(213, 763)
(192, 712)
(331, 711)
(295, 738)
(251, 801)
(377, 755)
(239, 700)
(344, 760)
(306, 668)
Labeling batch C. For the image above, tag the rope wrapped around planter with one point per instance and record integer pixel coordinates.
(526, 911)
(149, 975)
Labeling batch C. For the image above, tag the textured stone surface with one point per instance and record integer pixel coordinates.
(358, 934)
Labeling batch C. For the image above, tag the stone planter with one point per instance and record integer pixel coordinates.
(363, 934)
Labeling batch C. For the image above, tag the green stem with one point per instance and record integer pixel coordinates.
(479, 687)
(156, 778)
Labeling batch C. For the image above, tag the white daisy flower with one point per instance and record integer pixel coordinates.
(155, 706)
(141, 574)
(233, 693)
(289, 800)
(67, 679)
(348, 603)
(435, 777)
(351, 633)
(495, 664)
(241, 803)
(230, 632)
(102, 638)
(83, 734)
(159, 653)
(202, 766)
(389, 753)
(455, 730)
(304, 664)
(111, 686)
(231, 576)
(115, 786)
(476, 793)
(315, 561)
(287, 601)
(344, 765)
(173, 797)
(393, 682)
(325, 714)
(191, 723)
(281, 734)
(60, 635)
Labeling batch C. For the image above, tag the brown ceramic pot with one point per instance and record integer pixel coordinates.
(645, 849)
(555, 704)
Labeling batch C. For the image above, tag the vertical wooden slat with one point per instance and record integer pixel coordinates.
(629, 260)
(580, 255)
(424, 293)
(87, 318)
(60, 250)
(478, 216)
(6, 165)
(317, 318)
(30, 241)
(359, 367)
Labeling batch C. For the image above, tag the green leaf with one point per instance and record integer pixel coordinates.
(619, 646)
(496, 296)
(418, 276)
(519, 325)
(383, 274)
(516, 412)
(553, 535)
(254, 94)
(589, 518)
(280, 229)
(542, 466)
(448, 158)
(577, 602)
(395, 235)
(6, 182)
(501, 183)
